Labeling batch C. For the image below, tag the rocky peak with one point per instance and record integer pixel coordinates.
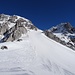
(63, 28)
(12, 27)
(4, 17)
(63, 33)
(69, 28)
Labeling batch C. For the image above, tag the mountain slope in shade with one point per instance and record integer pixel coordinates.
(32, 53)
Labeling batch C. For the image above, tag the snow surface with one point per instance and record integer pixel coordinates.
(36, 54)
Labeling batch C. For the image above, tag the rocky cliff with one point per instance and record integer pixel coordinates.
(12, 27)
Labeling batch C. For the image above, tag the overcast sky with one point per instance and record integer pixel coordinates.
(43, 13)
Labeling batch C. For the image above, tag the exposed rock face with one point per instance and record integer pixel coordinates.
(63, 33)
(63, 28)
(69, 27)
(12, 19)
(14, 33)
(3, 17)
(49, 34)
(4, 47)
(52, 36)
(3, 28)
(12, 27)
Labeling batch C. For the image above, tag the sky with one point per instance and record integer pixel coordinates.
(43, 13)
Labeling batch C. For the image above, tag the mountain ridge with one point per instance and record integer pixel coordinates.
(13, 27)
(27, 50)
(63, 33)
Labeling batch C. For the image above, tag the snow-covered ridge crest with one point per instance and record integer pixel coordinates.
(12, 27)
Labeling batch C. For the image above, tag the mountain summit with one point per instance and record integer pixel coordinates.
(63, 33)
(12, 27)
(26, 50)
(63, 28)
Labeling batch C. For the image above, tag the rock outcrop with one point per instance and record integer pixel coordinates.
(63, 33)
(12, 27)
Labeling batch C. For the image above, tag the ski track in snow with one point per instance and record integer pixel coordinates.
(61, 63)
(16, 58)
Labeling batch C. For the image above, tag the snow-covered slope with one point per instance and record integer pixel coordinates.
(36, 54)
(26, 50)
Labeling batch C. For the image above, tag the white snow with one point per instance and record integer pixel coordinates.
(11, 25)
(22, 18)
(36, 54)
(62, 37)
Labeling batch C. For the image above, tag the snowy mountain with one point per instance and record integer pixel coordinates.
(33, 53)
(63, 33)
(12, 27)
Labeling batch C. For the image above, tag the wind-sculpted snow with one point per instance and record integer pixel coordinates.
(56, 69)
(55, 58)
(15, 71)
